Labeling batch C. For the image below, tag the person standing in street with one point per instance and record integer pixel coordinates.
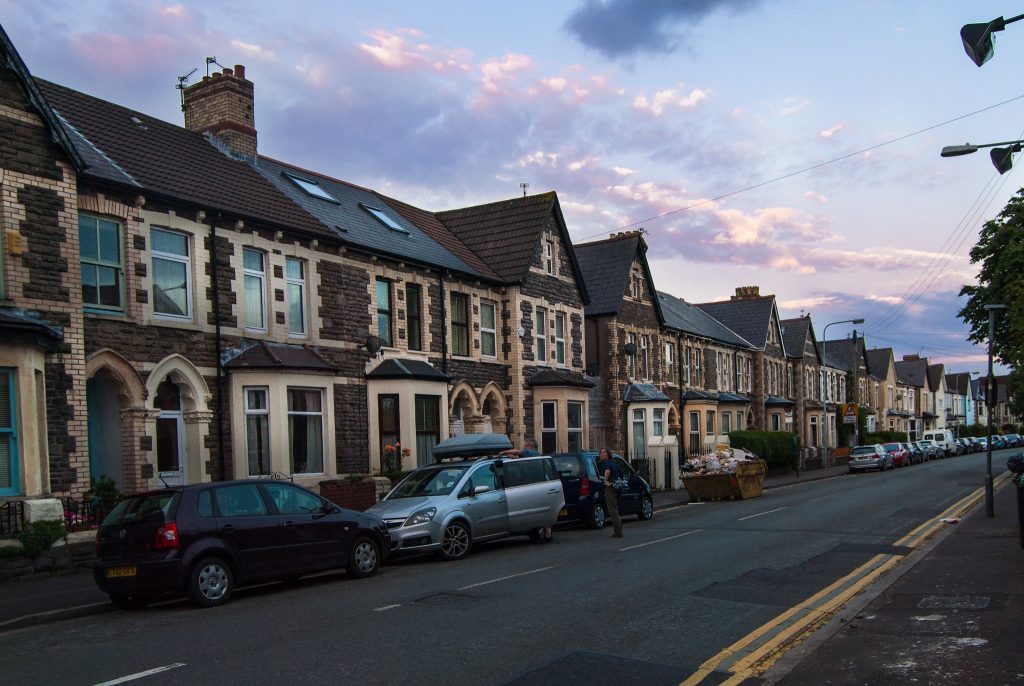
(611, 473)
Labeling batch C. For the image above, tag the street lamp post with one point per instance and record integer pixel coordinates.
(824, 401)
(990, 393)
(1002, 158)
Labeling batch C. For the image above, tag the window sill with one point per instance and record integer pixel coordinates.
(106, 314)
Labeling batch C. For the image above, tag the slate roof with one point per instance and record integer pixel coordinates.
(748, 317)
(353, 224)
(559, 377)
(691, 319)
(643, 392)
(699, 396)
(878, 361)
(173, 162)
(935, 374)
(839, 353)
(506, 233)
(268, 355)
(958, 384)
(606, 267)
(912, 372)
(725, 397)
(776, 401)
(794, 335)
(18, 326)
(397, 368)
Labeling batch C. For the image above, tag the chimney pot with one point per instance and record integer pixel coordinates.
(240, 71)
(227, 72)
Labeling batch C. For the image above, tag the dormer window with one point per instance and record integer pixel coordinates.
(549, 259)
(384, 219)
(310, 187)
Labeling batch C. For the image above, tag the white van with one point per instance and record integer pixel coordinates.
(942, 438)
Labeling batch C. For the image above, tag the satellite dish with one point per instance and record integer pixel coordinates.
(629, 349)
(373, 344)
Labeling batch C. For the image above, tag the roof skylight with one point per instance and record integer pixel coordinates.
(311, 188)
(384, 219)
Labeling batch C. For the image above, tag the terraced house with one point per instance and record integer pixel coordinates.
(177, 307)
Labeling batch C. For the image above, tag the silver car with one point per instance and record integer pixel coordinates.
(864, 457)
(447, 507)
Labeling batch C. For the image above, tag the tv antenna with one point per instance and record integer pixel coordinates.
(183, 83)
(212, 60)
(524, 186)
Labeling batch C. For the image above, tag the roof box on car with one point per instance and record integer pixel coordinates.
(471, 445)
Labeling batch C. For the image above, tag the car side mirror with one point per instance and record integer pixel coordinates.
(482, 488)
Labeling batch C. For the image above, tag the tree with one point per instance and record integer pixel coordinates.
(1000, 252)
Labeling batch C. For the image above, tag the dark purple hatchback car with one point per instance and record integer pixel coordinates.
(204, 539)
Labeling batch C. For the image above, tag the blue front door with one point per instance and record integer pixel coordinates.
(9, 480)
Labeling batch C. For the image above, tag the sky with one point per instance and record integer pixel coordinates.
(786, 144)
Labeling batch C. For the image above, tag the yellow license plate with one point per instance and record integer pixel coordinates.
(119, 572)
(563, 513)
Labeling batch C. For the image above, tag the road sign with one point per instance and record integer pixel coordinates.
(849, 413)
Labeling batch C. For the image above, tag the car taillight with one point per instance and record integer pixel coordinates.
(584, 487)
(166, 537)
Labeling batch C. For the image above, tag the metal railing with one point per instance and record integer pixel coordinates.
(642, 466)
(12, 517)
(82, 514)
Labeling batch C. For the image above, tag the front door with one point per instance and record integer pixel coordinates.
(10, 483)
(170, 448)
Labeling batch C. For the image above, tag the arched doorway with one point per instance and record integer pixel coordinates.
(181, 420)
(492, 409)
(115, 409)
(462, 410)
(171, 464)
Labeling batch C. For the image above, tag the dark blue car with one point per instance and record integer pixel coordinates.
(584, 489)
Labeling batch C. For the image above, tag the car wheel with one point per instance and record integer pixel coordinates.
(646, 509)
(129, 602)
(363, 558)
(210, 582)
(456, 541)
(597, 517)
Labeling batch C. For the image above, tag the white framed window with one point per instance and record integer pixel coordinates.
(295, 282)
(254, 276)
(631, 359)
(560, 338)
(548, 426)
(306, 430)
(710, 417)
(575, 425)
(549, 257)
(102, 263)
(172, 274)
(658, 419)
(645, 357)
(670, 362)
(689, 364)
(257, 431)
(726, 422)
(488, 329)
(541, 334)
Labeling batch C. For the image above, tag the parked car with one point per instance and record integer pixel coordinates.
(205, 539)
(916, 454)
(999, 442)
(864, 457)
(584, 489)
(900, 455)
(448, 507)
(963, 446)
(930, 450)
(982, 442)
(1013, 440)
(943, 438)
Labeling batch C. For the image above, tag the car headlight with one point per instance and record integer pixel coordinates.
(421, 517)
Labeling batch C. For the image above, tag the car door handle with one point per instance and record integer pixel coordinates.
(501, 499)
(554, 490)
(289, 524)
(227, 529)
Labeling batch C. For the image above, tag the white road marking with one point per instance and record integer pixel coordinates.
(140, 675)
(661, 540)
(761, 514)
(387, 607)
(506, 578)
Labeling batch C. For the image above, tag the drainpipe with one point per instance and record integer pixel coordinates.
(682, 406)
(219, 398)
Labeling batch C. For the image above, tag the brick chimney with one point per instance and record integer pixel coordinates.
(911, 358)
(747, 293)
(222, 104)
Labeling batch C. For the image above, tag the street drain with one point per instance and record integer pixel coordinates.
(445, 599)
(954, 602)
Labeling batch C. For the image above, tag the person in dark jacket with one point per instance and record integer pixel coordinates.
(611, 473)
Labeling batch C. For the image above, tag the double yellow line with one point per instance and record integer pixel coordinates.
(753, 654)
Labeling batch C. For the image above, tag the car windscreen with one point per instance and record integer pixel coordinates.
(140, 507)
(440, 480)
(891, 446)
(863, 450)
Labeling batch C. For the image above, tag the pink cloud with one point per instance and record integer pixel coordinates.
(496, 72)
(829, 132)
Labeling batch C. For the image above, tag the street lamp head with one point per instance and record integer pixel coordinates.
(995, 307)
(1002, 158)
(957, 150)
(856, 321)
(979, 43)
